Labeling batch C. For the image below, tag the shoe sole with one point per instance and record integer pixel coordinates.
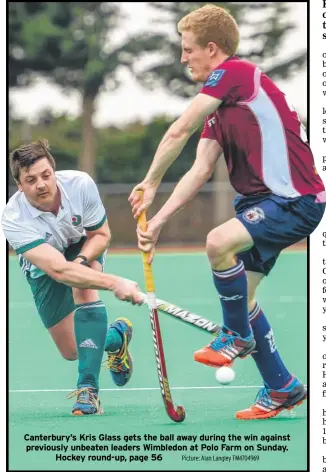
(80, 413)
(272, 414)
(128, 339)
(210, 364)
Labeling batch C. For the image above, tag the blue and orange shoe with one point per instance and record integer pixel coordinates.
(119, 363)
(88, 402)
(270, 403)
(225, 348)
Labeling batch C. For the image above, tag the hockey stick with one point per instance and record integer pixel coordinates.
(176, 414)
(186, 316)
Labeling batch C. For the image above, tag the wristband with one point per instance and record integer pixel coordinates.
(84, 259)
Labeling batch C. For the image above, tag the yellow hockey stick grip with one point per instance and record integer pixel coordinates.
(148, 272)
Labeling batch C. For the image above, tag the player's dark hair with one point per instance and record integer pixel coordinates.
(211, 23)
(27, 154)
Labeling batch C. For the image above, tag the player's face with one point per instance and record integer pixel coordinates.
(38, 183)
(197, 58)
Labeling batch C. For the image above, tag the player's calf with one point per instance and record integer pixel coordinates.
(229, 276)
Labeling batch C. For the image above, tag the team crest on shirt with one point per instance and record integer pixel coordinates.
(254, 215)
(76, 220)
(214, 78)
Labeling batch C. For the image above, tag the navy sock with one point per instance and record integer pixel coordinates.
(232, 287)
(267, 358)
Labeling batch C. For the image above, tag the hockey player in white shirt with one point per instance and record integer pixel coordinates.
(56, 223)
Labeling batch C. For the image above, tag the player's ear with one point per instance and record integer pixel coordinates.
(20, 188)
(212, 48)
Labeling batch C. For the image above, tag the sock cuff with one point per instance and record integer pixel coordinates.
(86, 306)
(255, 312)
(288, 382)
(232, 273)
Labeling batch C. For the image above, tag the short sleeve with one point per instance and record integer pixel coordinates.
(220, 83)
(21, 235)
(94, 211)
(233, 81)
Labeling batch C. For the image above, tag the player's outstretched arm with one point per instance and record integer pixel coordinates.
(53, 263)
(170, 147)
(208, 152)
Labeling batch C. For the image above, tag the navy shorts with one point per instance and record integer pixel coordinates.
(274, 224)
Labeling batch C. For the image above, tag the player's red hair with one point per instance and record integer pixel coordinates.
(211, 23)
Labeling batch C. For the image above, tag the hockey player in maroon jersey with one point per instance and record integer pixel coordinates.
(281, 197)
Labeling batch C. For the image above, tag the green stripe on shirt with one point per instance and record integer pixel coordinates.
(93, 228)
(29, 246)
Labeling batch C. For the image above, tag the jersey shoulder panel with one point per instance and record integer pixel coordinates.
(232, 81)
(16, 211)
(75, 183)
(72, 176)
(18, 225)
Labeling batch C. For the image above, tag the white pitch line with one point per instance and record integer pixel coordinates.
(141, 389)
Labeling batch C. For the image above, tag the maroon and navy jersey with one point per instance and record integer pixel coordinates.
(263, 141)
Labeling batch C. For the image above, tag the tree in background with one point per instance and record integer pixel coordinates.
(264, 27)
(72, 45)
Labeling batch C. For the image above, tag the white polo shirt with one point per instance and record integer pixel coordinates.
(81, 209)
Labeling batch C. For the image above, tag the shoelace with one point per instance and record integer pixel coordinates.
(263, 397)
(84, 395)
(117, 362)
(221, 340)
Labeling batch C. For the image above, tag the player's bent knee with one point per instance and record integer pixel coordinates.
(85, 295)
(251, 304)
(216, 246)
